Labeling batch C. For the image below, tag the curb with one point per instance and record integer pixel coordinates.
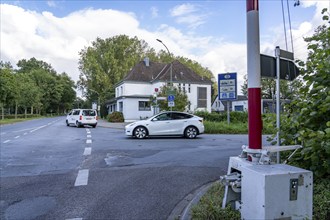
(182, 209)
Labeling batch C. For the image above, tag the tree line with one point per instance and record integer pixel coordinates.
(34, 88)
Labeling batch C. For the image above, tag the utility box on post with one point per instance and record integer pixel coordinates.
(268, 191)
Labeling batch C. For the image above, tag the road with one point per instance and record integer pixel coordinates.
(51, 171)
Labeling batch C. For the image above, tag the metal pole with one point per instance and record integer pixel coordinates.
(171, 66)
(228, 112)
(278, 104)
(254, 75)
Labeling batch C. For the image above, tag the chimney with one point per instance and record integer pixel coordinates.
(146, 61)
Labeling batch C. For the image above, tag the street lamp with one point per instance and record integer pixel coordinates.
(171, 79)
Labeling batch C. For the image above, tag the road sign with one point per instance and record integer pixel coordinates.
(227, 86)
(171, 104)
(288, 70)
(171, 98)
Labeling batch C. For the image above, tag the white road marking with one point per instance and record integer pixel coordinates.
(88, 141)
(82, 178)
(74, 219)
(87, 130)
(89, 136)
(38, 128)
(88, 151)
(25, 134)
(17, 137)
(6, 141)
(49, 123)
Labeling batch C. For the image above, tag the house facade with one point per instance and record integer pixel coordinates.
(145, 80)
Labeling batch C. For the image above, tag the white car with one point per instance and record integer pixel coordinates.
(167, 123)
(81, 117)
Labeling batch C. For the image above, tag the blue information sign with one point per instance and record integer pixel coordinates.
(170, 98)
(227, 86)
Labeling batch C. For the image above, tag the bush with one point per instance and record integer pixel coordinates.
(115, 117)
(222, 116)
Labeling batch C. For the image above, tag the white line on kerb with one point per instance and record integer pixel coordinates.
(88, 141)
(17, 137)
(6, 141)
(87, 151)
(74, 219)
(82, 178)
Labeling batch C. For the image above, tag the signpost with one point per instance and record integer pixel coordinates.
(227, 89)
(170, 101)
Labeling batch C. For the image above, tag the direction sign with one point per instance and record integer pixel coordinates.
(227, 86)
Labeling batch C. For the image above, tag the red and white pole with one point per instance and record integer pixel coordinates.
(253, 69)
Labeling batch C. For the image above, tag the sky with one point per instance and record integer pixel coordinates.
(212, 33)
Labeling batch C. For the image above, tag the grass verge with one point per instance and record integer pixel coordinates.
(209, 207)
(11, 121)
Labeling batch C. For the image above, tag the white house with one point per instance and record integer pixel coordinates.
(146, 78)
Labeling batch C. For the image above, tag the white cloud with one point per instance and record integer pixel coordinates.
(188, 14)
(154, 12)
(183, 9)
(26, 34)
(51, 4)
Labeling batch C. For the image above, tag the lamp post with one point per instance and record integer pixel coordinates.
(171, 67)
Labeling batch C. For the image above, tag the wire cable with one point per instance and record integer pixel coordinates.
(286, 41)
(287, 2)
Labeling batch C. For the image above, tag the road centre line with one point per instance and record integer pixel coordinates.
(89, 136)
(17, 137)
(88, 141)
(25, 133)
(6, 141)
(87, 151)
(38, 128)
(82, 178)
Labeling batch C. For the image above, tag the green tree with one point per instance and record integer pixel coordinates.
(106, 62)
(309, 121)
(7, 86)
(181, 99)
(68, 95)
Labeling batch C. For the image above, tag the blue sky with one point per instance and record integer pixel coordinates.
(211, 32)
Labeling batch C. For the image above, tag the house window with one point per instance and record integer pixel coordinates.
(201, 97)
(188, 88)
(117, 90)
(120, 106)
(144, 106)
(121, 90)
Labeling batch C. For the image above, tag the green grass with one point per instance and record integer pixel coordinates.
(209, 206)
(11, 121)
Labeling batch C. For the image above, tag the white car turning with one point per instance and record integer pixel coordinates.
(166, 124)
(81, 117)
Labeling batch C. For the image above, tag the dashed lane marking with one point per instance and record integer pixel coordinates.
(87, 151)
(82, 178)
(25, 134)
(89, 136)
(6, 141)
(74, 219)
(88, 141)
(17, 137)
(38, 128)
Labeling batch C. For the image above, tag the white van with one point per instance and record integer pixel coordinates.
(81, 117)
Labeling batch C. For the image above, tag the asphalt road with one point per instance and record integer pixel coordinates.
(51, 171)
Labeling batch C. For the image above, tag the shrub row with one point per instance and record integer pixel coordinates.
(222, 116)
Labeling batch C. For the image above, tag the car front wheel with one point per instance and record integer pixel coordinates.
(140, 132)
(191, 132)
